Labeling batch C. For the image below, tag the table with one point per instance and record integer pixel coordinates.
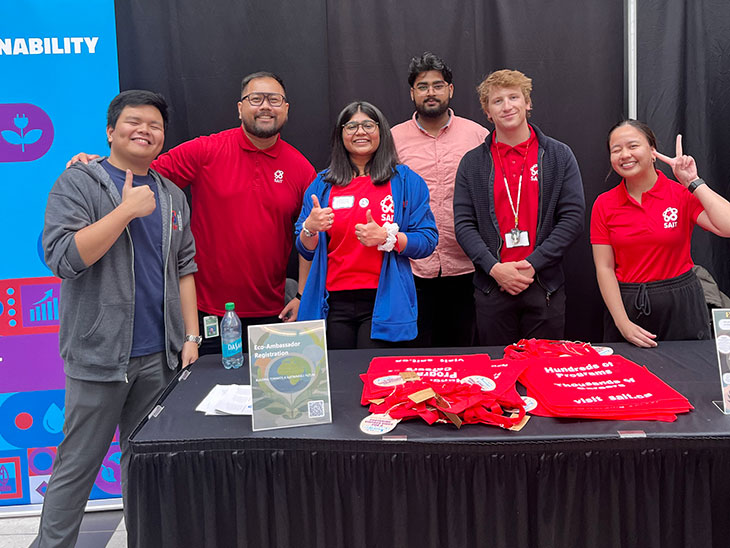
(207, 481)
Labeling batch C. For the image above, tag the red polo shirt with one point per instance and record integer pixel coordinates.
(515, 164)
(351, 265)
(650, 241)
(245, 202)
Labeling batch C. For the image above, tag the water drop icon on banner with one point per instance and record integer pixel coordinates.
(53, 419)
(108, 474)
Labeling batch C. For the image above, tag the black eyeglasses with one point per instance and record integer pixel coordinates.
(256, 99)
(438, 87)
(368, 126)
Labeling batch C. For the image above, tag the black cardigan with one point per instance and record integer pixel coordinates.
(560, 218)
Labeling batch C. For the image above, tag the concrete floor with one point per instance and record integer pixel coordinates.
(98, 530)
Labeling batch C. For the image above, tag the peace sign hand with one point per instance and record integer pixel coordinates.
(683, 167)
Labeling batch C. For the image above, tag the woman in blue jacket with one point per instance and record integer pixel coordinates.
(362, 220)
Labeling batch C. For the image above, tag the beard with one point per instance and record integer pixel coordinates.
(432, 111)
(262, 132)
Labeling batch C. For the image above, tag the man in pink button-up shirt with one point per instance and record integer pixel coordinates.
(432, 143)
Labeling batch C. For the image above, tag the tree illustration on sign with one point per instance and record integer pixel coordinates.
(19, 138)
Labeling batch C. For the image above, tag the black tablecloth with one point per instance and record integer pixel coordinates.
(210, 481)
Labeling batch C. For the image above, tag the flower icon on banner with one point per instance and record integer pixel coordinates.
(20, 138)
(26, 132)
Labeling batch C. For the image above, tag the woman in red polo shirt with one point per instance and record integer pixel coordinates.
(362, 219)
(641, 232)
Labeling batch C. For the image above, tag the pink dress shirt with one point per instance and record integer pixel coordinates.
(436, 159)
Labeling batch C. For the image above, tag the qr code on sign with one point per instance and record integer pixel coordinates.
(316, 409)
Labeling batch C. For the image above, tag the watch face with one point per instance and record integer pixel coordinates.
(192, 338)
(694, 184)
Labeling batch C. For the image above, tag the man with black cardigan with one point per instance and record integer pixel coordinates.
(518, 205)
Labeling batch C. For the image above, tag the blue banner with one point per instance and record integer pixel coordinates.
(58, 61)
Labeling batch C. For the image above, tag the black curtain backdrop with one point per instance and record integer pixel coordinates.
(684, 87)
(330, 52)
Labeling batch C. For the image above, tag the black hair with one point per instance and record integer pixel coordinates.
(135, 98)
(381, 166)
(639, 126)
(424, 63)
(261, 74)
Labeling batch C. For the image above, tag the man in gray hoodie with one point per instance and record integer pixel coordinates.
(118, 235)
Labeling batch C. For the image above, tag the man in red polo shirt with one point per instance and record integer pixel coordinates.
(432, 143)
(518, 205)
(247, 186)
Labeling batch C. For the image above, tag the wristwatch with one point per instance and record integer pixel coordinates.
(308, 232)
(694, 184)
(197, 339)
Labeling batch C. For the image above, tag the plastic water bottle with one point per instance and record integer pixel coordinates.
(231, 346)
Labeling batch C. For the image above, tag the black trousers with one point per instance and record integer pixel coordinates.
(350, 320)
(212, 345)
(504, 319)
(672, 309)
(445, 311)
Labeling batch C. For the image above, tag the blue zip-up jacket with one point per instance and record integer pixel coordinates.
(396, 311)
(560, 216)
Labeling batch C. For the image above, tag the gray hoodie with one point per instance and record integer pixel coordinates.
(96, 306)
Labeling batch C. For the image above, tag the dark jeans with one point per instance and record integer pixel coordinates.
(213, 344)
(445, 311)
(350, 319)
(504, 319)
(673, 309)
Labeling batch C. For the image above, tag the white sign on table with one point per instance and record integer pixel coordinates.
(721, 321)
(289, 375)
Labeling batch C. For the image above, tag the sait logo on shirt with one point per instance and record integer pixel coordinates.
(388, 208)
(670, 217)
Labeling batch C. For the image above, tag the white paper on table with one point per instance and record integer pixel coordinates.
(236, 400)
(233, 399)
(208, 403)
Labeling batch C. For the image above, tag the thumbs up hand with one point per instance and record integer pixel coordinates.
(138, 200)
(320, 218)
(371, 233)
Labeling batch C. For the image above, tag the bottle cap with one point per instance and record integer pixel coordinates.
(230, 306)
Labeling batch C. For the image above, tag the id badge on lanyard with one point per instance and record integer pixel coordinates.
(516, 238)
